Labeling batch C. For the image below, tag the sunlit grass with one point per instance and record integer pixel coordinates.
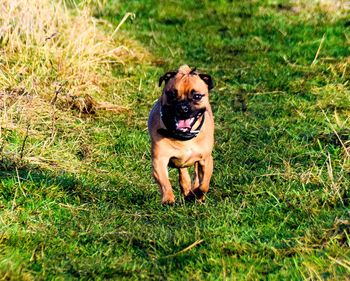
(77, 200)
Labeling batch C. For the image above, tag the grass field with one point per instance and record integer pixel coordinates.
(77, 200)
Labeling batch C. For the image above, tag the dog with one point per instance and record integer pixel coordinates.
(181, 127)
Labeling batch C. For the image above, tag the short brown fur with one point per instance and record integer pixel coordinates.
(181, 154)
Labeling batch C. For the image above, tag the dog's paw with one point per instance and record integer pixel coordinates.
(190, 197)
(168, 200)
(195, 195)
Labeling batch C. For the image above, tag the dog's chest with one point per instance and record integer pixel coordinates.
(186, 157)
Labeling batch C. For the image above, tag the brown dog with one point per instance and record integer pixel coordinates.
(181, 127)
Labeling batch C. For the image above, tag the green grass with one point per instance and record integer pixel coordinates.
(278, 207)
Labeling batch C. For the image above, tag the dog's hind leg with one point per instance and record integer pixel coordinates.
(195, 182)
(203, 172)
(184, 181)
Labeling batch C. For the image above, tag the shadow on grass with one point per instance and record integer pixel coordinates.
(12, 173)
(83, 188)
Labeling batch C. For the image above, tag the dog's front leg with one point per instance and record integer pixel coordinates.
(160, 174)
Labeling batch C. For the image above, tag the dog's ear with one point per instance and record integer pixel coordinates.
(207, 79)
(166, 77)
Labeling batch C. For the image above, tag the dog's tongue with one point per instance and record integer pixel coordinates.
(184, 124)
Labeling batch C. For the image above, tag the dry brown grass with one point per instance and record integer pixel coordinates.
(54, 59)
(332, 10)
(333, 7)
(45, 48)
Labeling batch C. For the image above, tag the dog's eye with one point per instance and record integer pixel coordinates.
(197, 97)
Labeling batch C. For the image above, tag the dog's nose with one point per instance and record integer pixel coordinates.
(184, 108)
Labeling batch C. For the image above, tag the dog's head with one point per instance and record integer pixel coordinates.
(185, 97)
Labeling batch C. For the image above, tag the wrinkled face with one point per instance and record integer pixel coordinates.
(185, 98)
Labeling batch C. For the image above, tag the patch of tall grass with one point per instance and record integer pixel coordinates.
(53, 59)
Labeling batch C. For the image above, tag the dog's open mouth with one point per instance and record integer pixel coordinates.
(185, 125)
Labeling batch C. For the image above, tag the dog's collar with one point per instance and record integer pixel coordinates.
(178, 135)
